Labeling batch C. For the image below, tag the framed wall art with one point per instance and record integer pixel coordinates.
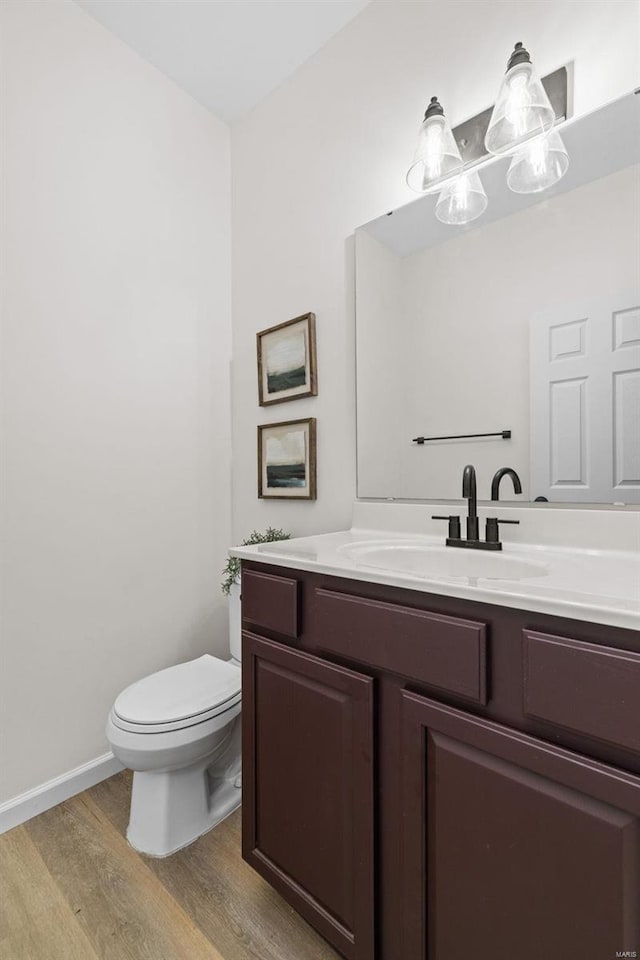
(287, 460)
(287, 361)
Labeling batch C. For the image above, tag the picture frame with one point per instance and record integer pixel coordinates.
(287, 365)
(287, 460)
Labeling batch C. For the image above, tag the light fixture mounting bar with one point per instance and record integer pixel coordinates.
(470, 135)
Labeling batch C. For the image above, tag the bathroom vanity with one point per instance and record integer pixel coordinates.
(432, 776)
(442, 743)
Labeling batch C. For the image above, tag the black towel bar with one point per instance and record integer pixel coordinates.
(505, 434)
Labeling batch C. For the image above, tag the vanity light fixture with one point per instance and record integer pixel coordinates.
(520, 125)
(463, 200)
(522, 110)
(437, 157)
(539, 164)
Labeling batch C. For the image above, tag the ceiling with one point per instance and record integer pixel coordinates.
(228, 54)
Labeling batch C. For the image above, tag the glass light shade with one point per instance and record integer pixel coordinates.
(463, 200)
(437, 157)
(522, 110)
(538, 165)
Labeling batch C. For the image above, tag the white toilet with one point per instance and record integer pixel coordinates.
(179, 731)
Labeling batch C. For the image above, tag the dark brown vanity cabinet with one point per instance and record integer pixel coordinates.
(308, 788)
(427, 778)
(514, 846)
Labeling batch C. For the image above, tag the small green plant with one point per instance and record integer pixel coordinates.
(231, 570)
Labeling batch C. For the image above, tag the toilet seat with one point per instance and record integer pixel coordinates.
(178, 697)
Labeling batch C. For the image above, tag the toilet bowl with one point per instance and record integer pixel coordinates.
(179, 731)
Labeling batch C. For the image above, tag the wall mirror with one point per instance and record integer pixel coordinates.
(525, 321)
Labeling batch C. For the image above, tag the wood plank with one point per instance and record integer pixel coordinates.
(35, 919)
(113, 796)
(233, 906)
(71, 888)
(241, 914)
(124, 910)
(55, 936)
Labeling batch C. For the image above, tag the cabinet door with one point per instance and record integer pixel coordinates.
(308, 788)
(513, 847)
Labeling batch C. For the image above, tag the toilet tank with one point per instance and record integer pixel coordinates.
(235, 623)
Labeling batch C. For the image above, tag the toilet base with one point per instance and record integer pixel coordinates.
(171, 809)
(153, 840)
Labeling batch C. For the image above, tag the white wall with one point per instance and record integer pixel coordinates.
(115, 382)
(380, 361)
(115, 317)
(443, 334)
(328, 151)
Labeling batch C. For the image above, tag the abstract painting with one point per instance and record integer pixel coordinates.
(287, 360)
(287, 460)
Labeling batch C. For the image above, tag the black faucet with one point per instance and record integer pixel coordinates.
(469, 492)
(504, 472)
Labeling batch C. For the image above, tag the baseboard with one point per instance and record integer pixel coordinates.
(27, 805)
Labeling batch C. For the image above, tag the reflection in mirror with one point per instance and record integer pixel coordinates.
(527, 320)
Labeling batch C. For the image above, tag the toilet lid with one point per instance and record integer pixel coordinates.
(181, 692)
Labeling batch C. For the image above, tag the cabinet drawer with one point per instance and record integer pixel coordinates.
(444, 652)
(583, 687)
(270, 602)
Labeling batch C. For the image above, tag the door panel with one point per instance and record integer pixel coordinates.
(534, 851)
(308, 788)
(626, 428)
(585, 401)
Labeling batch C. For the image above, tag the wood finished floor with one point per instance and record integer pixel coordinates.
(71, 888)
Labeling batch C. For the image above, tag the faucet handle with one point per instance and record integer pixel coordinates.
(491, 534)
(454, 525)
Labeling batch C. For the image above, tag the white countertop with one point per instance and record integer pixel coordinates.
(597, 585)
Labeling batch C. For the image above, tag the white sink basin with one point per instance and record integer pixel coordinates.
(441, 563)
